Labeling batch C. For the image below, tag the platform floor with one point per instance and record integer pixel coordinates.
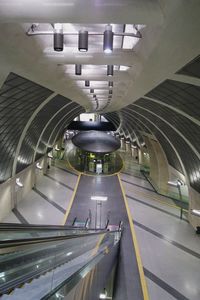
(48, 202)
(169, 247)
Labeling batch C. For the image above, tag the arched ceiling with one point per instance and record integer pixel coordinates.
(31, 117)
(156, 81)
(170, 113)
(166, 28)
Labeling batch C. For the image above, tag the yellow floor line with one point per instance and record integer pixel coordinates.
(72, 200)
(76, 171)
(136, 247)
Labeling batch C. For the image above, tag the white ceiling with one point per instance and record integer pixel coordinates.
(170, 39)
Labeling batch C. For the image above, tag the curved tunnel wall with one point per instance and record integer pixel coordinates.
(171, 114)
(20, 99)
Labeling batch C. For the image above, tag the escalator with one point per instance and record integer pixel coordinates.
(56, 262)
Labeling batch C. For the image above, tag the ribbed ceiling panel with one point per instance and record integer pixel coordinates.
(19, 98)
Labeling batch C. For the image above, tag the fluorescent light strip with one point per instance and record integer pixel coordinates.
(99, 198)
(196, 212)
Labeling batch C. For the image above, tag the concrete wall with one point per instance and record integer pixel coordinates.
(11, 194)
(6, 199)
(173, 176)
(161, 172)
(158, 165)
(194, 203)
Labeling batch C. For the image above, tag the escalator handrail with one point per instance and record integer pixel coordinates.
(35, 273)
(31, 241)
(77, 275)
(25, 227)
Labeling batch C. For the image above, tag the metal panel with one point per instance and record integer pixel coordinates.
(183, 96)
(19, 98)
(188, 157)
(30, 141)
(46, 142)
(169, 151)
(66, 120)
(189, 129)
(192, 68)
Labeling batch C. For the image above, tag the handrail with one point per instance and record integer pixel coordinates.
(86, 222)
(16, 282)
(74, 221)
(25, 227)
(19, 242)
(107, 223)
(11, 226)
(74, 278)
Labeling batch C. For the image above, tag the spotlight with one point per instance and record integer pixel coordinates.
(58, 37)
(50, 155)
(56, 148)
(110, 92)
(110, 84)
(91, 91)
(110, 70)
(94, 96)
(78, 69)
(83, 41)
(87, 83)
(108, 40)
(38, 166)
(19, 183)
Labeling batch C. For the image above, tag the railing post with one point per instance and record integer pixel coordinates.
(181, 215)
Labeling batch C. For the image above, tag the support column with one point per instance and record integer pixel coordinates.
(128, 146)
(140, 156)
(194, 203)
(122, 143)
(159, 169)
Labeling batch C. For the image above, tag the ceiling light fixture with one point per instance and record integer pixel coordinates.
(83, 41)
(110, 70)
(78, 69)
(99, 198)
(91, 91)
(108, 39)
(56, 148)
(110, 92)
(19, 183)
(124, 68)
(94, 96)
(38, 166)
(58, 37)
(87, 83)
(110, 84)
(195, 212)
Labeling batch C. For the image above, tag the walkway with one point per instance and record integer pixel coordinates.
(169, 247)
(128, 285)
(48, 201)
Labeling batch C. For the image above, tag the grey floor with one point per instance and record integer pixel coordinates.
(128, 285)
(47, 203)
(169, 247)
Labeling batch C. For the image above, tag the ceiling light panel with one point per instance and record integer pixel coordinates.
(92, 43)
(124, 68)
(129, 42)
